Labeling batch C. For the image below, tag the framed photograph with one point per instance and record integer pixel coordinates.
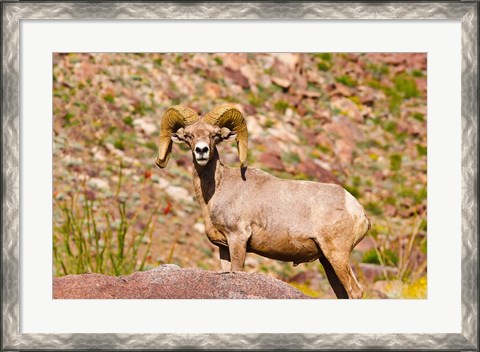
(347, 170)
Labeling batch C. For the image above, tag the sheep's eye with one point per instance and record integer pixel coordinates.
(217, 137)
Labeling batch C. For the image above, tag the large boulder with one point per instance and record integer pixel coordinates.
(170, 281)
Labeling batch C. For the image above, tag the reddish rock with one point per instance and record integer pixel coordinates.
(183, 160)
(284, 67)
(309, 168)
(324, 141)
(309, 93)
(272, 161)
(421, 85)
(313, 278)
(250, 109)
(282, 82)
(237, 78)
(289, 60)
(366, 244)
(366, 95)
(372, 272)
(348, 134)
(348, 108)
(212, 90)
(390, 210)
(338, 89)
(170, 281)
(310, 136)
(301, 110)
(323, 115)
(234, 61)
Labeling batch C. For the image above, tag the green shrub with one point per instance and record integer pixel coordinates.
(87, 239)
(406, 85)
(346, 80)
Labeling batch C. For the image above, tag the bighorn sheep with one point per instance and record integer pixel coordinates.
(248, 210)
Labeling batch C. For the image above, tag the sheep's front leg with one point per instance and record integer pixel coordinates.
(238, 250)
(225, 258)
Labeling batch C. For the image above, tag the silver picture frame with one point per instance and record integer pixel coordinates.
(14, 12)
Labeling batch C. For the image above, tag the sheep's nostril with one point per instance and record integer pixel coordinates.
(201, 150)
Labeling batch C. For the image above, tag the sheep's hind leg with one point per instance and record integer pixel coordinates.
(339, 273)
(341, 266)
(333, 279)
(225, 259)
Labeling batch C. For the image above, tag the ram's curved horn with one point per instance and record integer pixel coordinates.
(226, 115)
(175, 117)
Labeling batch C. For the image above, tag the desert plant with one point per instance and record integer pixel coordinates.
(89, 239)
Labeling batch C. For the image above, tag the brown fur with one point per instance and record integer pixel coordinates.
(297, 221)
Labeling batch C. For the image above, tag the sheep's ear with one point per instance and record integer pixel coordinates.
(226, 134)
(179, 136)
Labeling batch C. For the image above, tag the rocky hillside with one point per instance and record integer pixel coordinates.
(358, 120)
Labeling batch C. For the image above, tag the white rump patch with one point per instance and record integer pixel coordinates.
(352, 206)
(355, 209)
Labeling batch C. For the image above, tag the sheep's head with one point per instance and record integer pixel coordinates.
(182, 125)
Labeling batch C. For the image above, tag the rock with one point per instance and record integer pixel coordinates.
(282, 82)
(288, 59)
(366, 244)
(368, 95)
(310, 136)
(234, 61)
(308, 277)
(340, 90)
(98, 154)
(199, 60)
(421, 84)
(348, 134)
(371, 272)
(237, 77)
(71, 161)
(349, 108)
(284, 133)
(284, 67)
(183, 160)
(309, 93)
(390, 210)
(111, 148)
(98, 184)
(172, 282)
(199, 227)
(251, 74)
(254, 128)
(390, 289)
(324, 141)
(162, 183)
(249, 109)
(272, 161)
(315, 281)
(145, 126)
(179, 193)
(212, 90)
(309, 168)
